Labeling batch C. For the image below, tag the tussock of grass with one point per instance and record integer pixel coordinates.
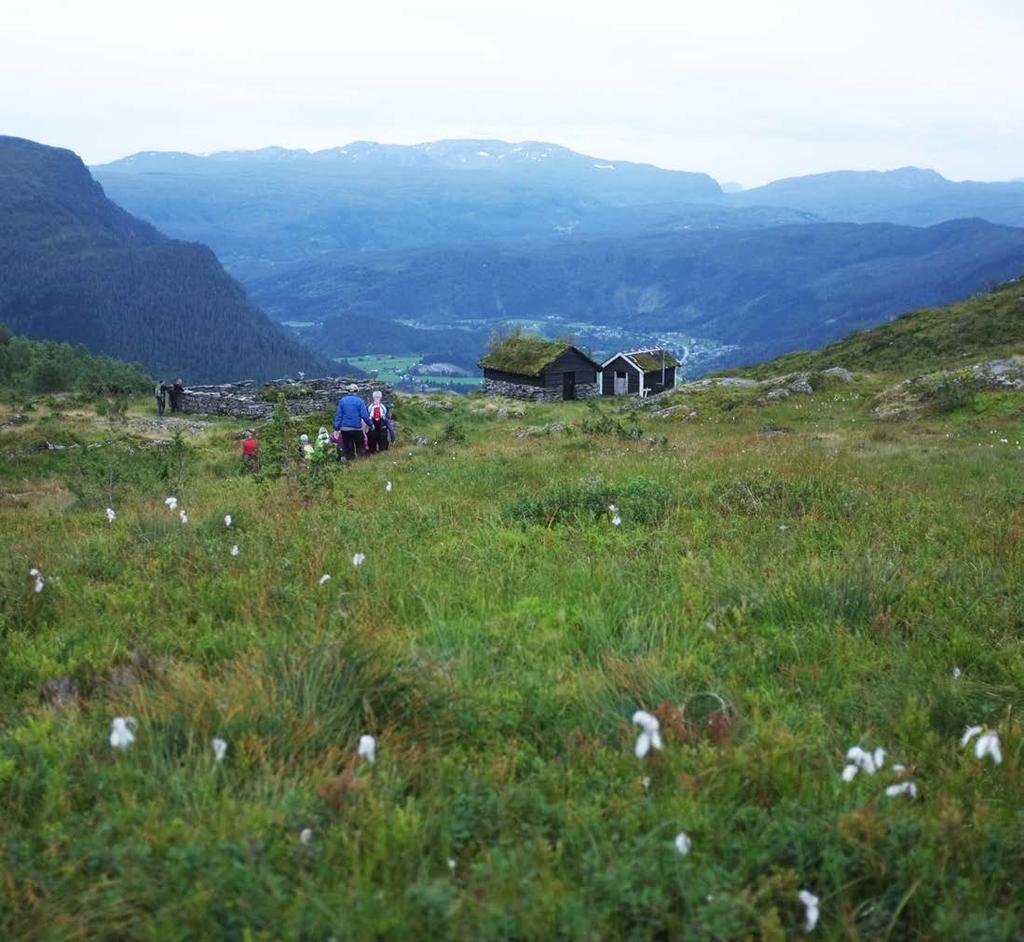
(775, 598)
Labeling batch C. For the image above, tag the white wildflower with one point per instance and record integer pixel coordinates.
(988, 745)
(899, 769)
(121, 735)
(227, 520)
(234, 550)
(859, 760)
(957, 673)
(358, 559)
(171, 502)
(683, 843)
(902, 788)
(811, 912)
(325, 578)
(306, 836)
(650, 735)
(40, 581)
(368, 748)
(111, 516)
(387, 487)
(451, 864)
(616, 520)
(220, 748)
(182, 515)
(969, 734)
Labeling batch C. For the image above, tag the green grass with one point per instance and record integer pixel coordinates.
(799, 575)
(990, 324)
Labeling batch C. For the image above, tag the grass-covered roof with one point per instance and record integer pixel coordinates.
(523, 353)
(651, 359)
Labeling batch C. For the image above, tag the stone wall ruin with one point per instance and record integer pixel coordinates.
(248, 400)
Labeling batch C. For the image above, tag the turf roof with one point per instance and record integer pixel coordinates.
(651, 359)
(526, 354)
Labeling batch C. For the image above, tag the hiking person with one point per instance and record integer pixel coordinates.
(323, 441)
(349, 420)
(381, 430)
(177, 395)
(161, 396)
(250, 449)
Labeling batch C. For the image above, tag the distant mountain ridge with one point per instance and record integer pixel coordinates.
(76, 267)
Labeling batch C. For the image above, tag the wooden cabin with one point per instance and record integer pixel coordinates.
(638, 373)
(524, 366)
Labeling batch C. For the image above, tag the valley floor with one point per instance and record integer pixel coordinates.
(787, 581)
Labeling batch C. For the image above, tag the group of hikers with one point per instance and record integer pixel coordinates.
(358, 430)
(175, 391)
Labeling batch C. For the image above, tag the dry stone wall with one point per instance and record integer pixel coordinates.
(247, 400)
(500, 387)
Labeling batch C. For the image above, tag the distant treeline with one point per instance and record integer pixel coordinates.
(42, 366)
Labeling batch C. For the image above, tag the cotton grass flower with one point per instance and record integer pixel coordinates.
(367, 748)
(121, 735)
(614, 511)
(234, 550)
(987, 744)
(902, 788)
(650, 735)
(957, 673)
(859, 760)
(387, 487)
(220, 748)
(182, 515)
(227, 520)
(811, 911)
(306, 836)
(325, 578)
(171, 502)
(111, 516)
(683, 843)
(40, 581)
(358, 559)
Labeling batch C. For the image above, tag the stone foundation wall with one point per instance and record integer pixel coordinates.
(498, 387)
(246, 400)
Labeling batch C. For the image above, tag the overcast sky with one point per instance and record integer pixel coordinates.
(747, 90)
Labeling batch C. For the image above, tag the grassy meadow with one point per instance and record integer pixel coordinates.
(788, 581)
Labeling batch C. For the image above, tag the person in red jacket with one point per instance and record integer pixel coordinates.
(250, 449)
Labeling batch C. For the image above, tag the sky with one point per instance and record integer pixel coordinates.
(746, 90)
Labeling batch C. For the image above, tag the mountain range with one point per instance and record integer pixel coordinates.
(76, 267)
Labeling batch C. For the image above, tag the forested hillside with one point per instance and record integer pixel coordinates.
(43, 366)
(766, 292)
(76, 267)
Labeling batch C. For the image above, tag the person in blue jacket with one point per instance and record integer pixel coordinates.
(349, 419)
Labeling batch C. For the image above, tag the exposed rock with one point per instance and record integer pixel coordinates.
(420, 440)
(947, 388)
(681, 411)
(837, 372)
(800, 385)
(775, 395)
(740, 381)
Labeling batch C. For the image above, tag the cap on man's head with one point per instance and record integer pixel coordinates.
(303, 437)
(352, 387)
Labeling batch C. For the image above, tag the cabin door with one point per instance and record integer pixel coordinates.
(568, 385)
(621, 383)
